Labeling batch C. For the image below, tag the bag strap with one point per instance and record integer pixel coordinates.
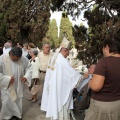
(83, 89)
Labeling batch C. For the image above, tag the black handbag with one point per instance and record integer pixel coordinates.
(28, 56)
(82, 100)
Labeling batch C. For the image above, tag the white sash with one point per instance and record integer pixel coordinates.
(11, 88)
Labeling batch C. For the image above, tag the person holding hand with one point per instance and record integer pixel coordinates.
(105, 83)
(15, 70)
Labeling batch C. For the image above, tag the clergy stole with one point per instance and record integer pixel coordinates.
(11, 88)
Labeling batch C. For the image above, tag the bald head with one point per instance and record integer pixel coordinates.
(91, 69)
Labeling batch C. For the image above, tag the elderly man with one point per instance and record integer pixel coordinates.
(60, 80)
(15, 70)
(90, 73)
(44, 56)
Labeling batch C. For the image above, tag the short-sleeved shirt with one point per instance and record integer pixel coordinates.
(44, 58)
(109, 67)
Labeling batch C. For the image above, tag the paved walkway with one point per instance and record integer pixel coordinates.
(31, 111)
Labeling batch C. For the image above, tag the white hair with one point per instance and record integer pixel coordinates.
(34, 50)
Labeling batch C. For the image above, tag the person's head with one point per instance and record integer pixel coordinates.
(31, 45)
(65, 47)
(25, 46)
(111, 45)
(19, 45)
(33, 52)
(10, 42)
(15, 53)
(64, 51)
(7, 45)
(46, 48)
(91, 69)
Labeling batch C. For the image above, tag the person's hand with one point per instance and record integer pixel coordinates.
(86, 75)
(23, 79)
(11, 80)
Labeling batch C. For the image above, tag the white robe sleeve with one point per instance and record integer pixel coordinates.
(28, 71)
(4, 80)
(79, 81)
(36, 73)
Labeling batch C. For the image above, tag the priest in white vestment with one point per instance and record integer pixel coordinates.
(15, 70)
(60, 80)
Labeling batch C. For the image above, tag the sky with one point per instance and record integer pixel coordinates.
(57, 17)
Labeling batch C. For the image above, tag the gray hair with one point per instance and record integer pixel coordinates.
(44, 43)
(34, 51)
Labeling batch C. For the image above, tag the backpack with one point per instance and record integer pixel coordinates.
(82, 100)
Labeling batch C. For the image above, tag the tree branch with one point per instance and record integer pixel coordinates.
(110, 10)
(78, 1)
(84, 1)
(84, 19)
(90, 5)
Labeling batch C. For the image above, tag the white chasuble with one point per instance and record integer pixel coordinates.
(12, 95)
(60, 81)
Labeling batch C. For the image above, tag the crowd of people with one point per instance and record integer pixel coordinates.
(53, 76)
(21, 64)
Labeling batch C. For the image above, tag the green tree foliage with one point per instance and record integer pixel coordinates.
(80, 35)
(95, 35)
(101, 20)
(66, 29)
(26, 20)
(74, 7)
(99, 26)
(3, 28)
(52, 34)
